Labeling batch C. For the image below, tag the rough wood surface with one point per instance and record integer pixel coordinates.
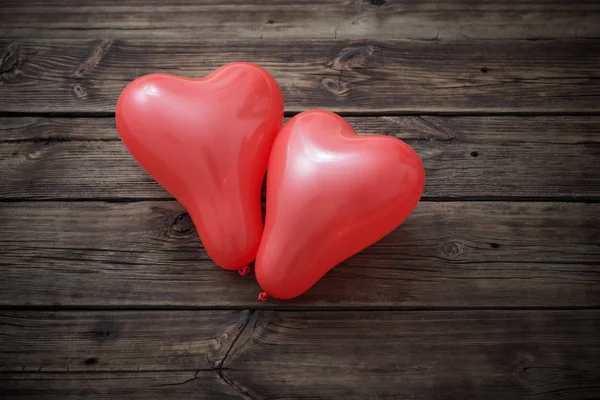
(480, 157)
(308, 19)
(162, 385)
(353, 76)
(445, 355)
(447, 254)
(490, 290)
(546, 129)
(311, 354)
(117, 341)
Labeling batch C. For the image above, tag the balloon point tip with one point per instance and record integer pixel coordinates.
(245, 270)
(262, 296)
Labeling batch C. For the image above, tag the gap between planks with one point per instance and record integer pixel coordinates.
(426, 199)
(358, 114)
(293, 308)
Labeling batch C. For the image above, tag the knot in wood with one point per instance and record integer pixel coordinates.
(104, 330)
(79, 91)
(337, 86)
(94, 59)
(355, 57)
(522, 365)
(9, 60)
(183, 223)
(454, 249)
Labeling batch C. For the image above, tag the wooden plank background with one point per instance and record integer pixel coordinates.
(483, 157)
(366, 76)
(488, 291)
(447, 254)
(301, 19)
(434, 354)
(113, 385)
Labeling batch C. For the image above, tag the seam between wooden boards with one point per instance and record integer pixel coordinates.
(284, 308)
(425, 199)
(289, 114)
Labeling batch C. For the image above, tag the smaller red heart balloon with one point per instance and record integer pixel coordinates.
(330, 194)
(207, 142)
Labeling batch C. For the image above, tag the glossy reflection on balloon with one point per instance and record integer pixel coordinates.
(207, 142)
(330, 194)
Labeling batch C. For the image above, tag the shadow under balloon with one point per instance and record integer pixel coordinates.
(385, 274)
(388, 273)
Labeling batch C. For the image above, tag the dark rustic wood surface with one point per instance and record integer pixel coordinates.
(483, 157)
(115, 342)
(447, 254)
(162, 385)
(267, 354)
(376, 76)
(301, 19)
(490, 290)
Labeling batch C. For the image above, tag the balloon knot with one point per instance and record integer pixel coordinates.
(262, 296)
(245, 270)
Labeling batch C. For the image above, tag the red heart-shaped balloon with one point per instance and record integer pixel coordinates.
(330, 194)
(207, 142)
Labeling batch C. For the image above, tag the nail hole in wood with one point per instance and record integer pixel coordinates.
(79, 91)
(270, 21)
(474, 154)
(91, 361)
(102, 334)
(494, 245)
(484, 69)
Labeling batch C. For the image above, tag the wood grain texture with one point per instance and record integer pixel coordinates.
(454, 304)
(312, 354)
(348, 76)
(163, 385)
(546, 129)
(307, 19)
(41, 129)
(447, 254)
(445, 355)
(112, 342)
(482, 157)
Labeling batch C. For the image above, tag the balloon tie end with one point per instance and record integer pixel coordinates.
(262, 296)
(245, 270)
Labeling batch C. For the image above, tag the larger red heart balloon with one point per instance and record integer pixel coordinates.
(330, 194)
(207, 142)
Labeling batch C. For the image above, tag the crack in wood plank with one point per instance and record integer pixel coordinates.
(181, 383)
(244, 392)
(219, 366)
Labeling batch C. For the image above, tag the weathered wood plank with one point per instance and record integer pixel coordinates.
(463, 156)
(293, 19)
(15, 129)
(354, 76)
(550, 129)
(447, 254)
(116, 341)
(316, 354)
(163, 385)
(446, 355)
